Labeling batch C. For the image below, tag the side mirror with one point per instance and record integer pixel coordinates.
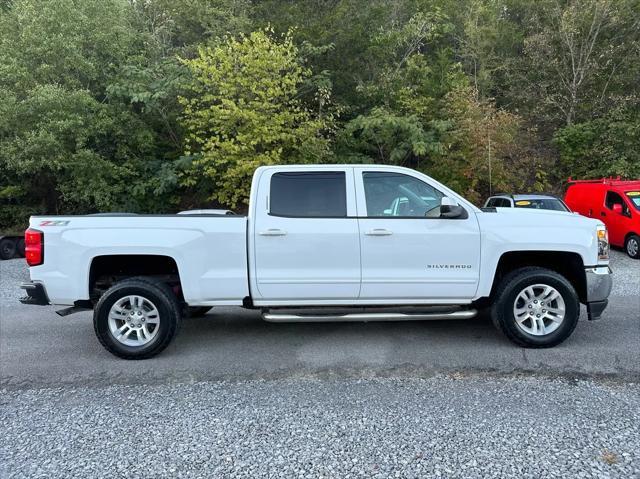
(617, 208)
(450, 209)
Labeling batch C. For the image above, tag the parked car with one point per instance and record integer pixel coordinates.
(613, 201)
(539, 202)
(325, 243)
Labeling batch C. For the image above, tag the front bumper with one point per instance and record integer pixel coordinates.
(36, 294)
(599, 284)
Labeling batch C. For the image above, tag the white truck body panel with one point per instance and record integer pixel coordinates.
(210, 252)
(294, 261)
(315, 259)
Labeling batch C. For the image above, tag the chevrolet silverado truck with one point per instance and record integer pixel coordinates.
(324, 243)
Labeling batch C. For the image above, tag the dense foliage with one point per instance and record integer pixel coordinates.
(111, 105)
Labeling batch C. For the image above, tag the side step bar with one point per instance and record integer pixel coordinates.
(316, 318)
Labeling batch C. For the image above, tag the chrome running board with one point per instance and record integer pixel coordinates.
(316, 318)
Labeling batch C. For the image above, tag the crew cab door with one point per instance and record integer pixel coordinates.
(408, 251)
(305, 236)
(618, 220)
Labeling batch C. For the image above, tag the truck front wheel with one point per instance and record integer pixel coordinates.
(137, 318)
(535, 307)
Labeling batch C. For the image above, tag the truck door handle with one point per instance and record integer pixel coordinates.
(273, 232)
(602, 213)
(379, 232)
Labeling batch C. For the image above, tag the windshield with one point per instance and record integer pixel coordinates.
(542, 204)
(634, 196)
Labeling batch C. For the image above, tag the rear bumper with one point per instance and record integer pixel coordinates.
(36, 294)
(599, 284)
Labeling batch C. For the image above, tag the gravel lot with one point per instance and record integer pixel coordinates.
(454, 427)
(316, 404)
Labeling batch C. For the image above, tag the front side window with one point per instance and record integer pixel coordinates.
(394, 194)
(316, 194)
(614, 198)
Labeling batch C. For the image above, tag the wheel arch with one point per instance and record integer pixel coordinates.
(105, 270)
(628, 235)
(568, 264)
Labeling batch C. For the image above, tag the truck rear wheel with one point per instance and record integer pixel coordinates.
(535, 307)
(137, 318)
(7, 248)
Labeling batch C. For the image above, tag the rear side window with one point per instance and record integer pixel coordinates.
(316, 194)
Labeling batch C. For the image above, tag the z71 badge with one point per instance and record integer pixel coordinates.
(54, 223)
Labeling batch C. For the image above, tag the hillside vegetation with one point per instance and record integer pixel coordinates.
(155, 105)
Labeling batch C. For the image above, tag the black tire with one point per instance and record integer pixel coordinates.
(7, 248)
(505, 296)
(165, 302)
(20, 247)
(198, 311)
(631, 244)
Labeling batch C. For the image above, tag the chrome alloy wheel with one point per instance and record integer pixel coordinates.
(539, 309)
(134, 321)
(632, 247)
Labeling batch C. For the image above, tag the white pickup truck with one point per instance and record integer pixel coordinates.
(324, 243)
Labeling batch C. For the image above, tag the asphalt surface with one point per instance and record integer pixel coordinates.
(234, 396)
(39, 347)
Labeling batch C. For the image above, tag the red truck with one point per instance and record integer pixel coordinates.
(614, 201)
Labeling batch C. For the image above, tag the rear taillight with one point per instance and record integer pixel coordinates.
(34, 247)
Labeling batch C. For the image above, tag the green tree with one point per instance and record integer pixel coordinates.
(63, 138)
(88, 95)
(243, 112)
(608, 146)
(580, 59)
(486, 149)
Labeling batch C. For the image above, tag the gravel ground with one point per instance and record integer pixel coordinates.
(444, 426)
(626, 275)
(12, 273)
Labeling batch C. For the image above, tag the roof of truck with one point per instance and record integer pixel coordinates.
(336, 165)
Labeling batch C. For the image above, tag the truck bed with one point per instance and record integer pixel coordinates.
(209, 250)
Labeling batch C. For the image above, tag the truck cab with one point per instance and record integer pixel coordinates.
(359, 235)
